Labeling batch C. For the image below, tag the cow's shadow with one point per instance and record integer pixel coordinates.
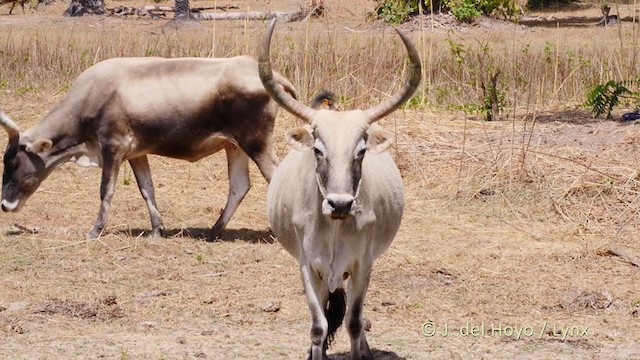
(204, 234)
(377, 355)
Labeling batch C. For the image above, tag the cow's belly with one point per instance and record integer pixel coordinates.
(192, 149)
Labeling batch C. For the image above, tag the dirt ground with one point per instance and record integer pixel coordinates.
(519, 240)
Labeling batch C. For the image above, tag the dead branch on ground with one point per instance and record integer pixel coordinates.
(197, 13)
(624, 255)
(155, 11)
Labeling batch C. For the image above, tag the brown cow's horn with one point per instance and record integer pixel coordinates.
(413, 80)
(277, 93)
(12, 129)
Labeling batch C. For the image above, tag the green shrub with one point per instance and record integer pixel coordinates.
(465, 11)
(469, 10)
(602, 98)
(398, 11)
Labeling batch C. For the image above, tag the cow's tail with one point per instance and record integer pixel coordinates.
(336, 308)
(286, 85)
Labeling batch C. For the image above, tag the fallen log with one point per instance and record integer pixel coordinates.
(156, 11)
(624, 255)
(198, 14)
(283, 16)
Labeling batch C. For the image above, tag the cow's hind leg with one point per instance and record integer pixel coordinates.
(140, 166)
(355, 298)
(110, 166)
(239, 184)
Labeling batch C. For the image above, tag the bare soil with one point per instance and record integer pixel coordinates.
(519, 240)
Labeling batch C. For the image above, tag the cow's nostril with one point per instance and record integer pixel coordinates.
(340, 206)
(4, 208)
(331, 203)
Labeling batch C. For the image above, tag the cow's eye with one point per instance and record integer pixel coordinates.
(361, 153)
(318, 152)
(29, 181)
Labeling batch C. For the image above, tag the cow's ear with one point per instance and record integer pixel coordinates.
(379, 140)
(300, 139)
(39, 146)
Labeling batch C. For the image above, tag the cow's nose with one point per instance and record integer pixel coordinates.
(340, 207)
(9, 206)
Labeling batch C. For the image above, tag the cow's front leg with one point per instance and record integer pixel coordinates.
(317, 293)
(110, 166)
(140, 166)
(355, 296)
(239, 184)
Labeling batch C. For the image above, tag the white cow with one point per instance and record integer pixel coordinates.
(335, 203)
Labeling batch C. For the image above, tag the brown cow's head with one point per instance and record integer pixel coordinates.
(24, 168)
(339, 139)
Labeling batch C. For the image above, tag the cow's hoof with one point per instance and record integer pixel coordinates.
(365, 354)
(157, 232)
(92, 234)
(216, 232)
(310, 355)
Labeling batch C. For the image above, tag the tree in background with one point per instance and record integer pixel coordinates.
(85, 7)
(182, 10)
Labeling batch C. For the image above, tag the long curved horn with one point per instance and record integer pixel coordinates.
(411, 85)
(12, 129)
(277, 93)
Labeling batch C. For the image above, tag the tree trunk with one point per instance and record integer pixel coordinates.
(85, 7)
(182, 10)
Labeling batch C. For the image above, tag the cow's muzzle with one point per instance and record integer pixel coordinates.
(8, 206)
(339, 206)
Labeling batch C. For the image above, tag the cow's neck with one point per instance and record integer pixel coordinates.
(68, 142)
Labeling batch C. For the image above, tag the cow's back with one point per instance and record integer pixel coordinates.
(158, 87)
(185, 108)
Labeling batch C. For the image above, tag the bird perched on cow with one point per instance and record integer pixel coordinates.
(335, 202)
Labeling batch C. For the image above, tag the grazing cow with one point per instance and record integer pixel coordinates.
(13, 4)
(335, 203)
(126, 108)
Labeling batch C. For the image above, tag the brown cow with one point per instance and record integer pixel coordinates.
(126, 108)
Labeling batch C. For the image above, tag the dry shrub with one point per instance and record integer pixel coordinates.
(102, 309)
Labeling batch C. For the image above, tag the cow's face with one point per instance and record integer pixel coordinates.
(24, 170)
(340, 141)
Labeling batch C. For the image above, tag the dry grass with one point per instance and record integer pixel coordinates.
(540, 68)
(507, 224)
